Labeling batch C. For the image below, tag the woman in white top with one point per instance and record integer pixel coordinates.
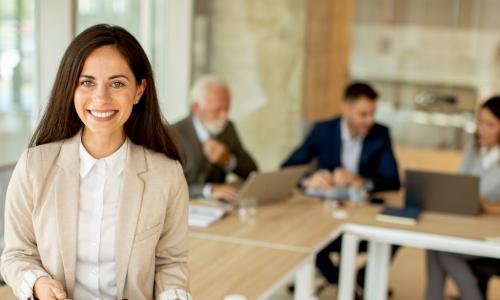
(97, 206)
(481, 159)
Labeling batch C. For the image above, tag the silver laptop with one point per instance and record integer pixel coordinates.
(272, 186)
(442, 192)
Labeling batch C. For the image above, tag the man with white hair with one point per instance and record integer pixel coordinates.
(210, 142)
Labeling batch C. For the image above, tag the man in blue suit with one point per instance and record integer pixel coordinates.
(350, 150)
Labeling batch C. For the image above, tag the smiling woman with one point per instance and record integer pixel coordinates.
(97, 206)
(104, 98)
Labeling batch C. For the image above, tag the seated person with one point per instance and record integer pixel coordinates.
(211, 145)
(481, 159)
(350, 150)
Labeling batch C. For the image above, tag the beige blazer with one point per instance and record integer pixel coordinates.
(41, 220)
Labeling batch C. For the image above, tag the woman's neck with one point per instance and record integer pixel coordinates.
(100, 145)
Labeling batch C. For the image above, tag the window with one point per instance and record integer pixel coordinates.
(125, 13)
(17, 72)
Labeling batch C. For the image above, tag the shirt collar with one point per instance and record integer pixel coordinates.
(201, 131)
(346, 135)
(488, 158)
(114, 162)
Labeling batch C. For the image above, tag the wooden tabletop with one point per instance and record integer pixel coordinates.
(462, 226)
(219, 269)
(299, 223)
(304, 223)
(6, 293)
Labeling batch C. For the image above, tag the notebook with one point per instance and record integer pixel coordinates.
(405, 216)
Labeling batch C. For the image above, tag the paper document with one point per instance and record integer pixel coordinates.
(203, 216)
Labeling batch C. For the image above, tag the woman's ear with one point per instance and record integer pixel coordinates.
(140, 90)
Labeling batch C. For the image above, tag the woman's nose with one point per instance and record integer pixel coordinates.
(101, 94)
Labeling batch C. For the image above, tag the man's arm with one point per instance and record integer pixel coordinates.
(387, 177)
(305, 152)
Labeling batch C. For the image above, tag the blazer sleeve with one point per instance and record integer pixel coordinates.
(172, 249)
(387, 177)
(20, 254)
(306, 152)
(245, 164)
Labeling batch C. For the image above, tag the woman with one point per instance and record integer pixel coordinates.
(97, 206)
(481, 159)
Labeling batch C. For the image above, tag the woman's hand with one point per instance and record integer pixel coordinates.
(48, 289)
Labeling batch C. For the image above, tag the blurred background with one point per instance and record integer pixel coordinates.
(286, 61)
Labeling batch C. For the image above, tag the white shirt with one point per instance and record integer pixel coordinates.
(203, 135)
(489, 158)
(100, 188)
(351, 149)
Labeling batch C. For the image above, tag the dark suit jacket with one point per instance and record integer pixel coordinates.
(198, 169)
(377, 160)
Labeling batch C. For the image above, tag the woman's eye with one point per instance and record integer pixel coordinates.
(86, 83)
(117, 84)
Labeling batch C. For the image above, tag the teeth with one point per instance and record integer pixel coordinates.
(102, 114)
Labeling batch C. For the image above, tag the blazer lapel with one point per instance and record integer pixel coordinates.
(129, 211)
(366, 153)
(336, 145)
(67, 195)
(203, 166)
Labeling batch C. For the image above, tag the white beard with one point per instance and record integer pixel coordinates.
(216, 127)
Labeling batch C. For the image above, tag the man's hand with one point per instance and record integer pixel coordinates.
(343, 178)
(489, 207)
(225, 191)
(321, 179)
(48, 289)
(216, 152)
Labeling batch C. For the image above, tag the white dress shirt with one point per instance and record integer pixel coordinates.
(100, 187)
(203, 135)
(351, 149)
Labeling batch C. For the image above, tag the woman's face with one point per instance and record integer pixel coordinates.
(488, 128)
(106, 93)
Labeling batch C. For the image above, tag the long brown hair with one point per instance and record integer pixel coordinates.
(145, 126)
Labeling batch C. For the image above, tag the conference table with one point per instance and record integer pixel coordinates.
(473, 235)
(298, 225)
(303, 224)
(219, 269)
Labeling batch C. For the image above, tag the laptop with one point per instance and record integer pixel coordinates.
(272, 186)
(442, 192)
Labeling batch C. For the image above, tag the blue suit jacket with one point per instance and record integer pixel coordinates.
(377, 160)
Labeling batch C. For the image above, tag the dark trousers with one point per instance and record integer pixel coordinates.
(330, 271)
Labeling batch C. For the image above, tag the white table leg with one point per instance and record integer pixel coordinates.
(377, 271)
(304, 281)
(348, 256)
